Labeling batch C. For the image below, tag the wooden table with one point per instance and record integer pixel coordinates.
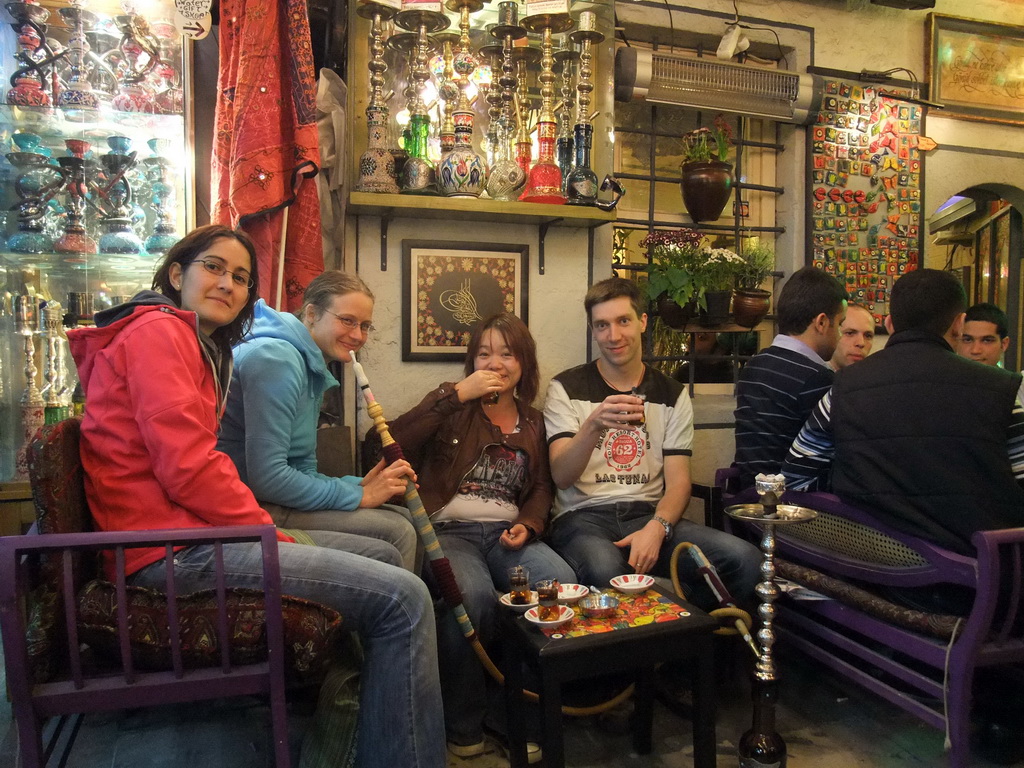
(560, 658)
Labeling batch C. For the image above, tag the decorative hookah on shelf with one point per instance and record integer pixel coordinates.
(162, 195)
(448, 90)
(581, 183)
(139, 55)
(36, 184)
(564, 147)
(26, 325)
(492, 54)
(54, 395)
(34, 57)
(461, 172)
(762, 746)
(118, 237)
(544, 184)
(75, 243)
(377, 163)
(506, 177)
(418, 174)
(524, 55)
(78, 92)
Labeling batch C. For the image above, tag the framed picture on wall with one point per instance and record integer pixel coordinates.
(976, 69)
(449, 286)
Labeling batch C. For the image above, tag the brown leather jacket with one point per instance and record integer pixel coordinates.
(443, 439)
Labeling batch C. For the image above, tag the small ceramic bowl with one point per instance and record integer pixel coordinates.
(570, 594)
(599, 606)
(565, 613)
(506, 600)
(631, 583)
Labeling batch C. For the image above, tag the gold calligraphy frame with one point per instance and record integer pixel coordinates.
(976, 69)
(448, 286)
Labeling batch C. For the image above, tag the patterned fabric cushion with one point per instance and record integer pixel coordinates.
(934, 624)
(309, 628)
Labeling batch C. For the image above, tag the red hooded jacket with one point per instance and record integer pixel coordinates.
(149, 434)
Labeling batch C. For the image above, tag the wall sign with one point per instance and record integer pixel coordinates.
(976, 68)
(449, 286)
(865, 183)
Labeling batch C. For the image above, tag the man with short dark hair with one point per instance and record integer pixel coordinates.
(620, 437)
(779, 386)
(942, 455)
(986, 334)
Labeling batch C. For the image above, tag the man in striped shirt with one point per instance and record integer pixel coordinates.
(778, 387)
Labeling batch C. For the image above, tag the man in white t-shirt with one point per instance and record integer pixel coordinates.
(620, 437)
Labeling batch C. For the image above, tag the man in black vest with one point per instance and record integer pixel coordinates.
(942, 453)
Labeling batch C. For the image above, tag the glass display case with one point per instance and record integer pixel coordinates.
(95, 185)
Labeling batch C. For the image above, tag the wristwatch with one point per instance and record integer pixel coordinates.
(664, 524)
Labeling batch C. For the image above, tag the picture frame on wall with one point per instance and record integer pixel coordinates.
(449, 286)
(976, 69)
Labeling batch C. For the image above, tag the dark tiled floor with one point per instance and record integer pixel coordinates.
(825, 723)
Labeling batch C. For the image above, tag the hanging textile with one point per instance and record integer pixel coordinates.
(265, 146)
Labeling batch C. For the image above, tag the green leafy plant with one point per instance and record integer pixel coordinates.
(684, 269)
(758, 264)
(703, 144)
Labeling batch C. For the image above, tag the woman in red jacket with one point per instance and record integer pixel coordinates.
(155, 372)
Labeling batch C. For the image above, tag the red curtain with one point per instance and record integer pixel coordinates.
(265, 146)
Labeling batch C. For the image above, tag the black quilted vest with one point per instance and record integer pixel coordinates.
(921, 439)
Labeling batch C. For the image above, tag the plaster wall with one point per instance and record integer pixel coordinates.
(848, 35)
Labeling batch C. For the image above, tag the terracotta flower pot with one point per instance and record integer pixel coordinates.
(706, 188)
(749, 306)
(717, 312)
(673, 315)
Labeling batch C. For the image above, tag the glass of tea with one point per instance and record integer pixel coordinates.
(519, 585)
(547, 597)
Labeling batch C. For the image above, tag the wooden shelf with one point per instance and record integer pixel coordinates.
(475, 209)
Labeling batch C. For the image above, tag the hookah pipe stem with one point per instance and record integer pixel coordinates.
(438, 562)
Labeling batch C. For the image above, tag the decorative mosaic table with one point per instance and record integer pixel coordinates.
(648, 629)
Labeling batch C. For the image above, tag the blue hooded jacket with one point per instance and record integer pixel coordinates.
(269, 427)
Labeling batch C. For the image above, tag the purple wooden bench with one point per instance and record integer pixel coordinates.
(75, 643)
(858, 633)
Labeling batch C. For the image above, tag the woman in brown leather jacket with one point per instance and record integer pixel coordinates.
(481, 454)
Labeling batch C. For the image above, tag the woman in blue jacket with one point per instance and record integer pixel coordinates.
(270, 426)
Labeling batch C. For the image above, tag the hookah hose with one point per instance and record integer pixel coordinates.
(439, 564)
(728, 610)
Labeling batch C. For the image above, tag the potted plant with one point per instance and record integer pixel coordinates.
(675, 255)
(751, 302)
(705, 176)
(715, 277)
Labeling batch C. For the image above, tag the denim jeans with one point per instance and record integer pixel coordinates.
(400, 721)
(584, 537)
(389, 524)
(480, 564)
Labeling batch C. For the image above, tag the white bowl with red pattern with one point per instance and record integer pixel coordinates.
(633, 583)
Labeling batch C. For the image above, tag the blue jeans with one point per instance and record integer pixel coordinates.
(584, 538)
(399, 699)
(389, 524)
(480, 564)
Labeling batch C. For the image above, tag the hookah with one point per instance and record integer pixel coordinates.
(506, 176)
(36, 184)
(139, 54)
(524, 56)
(75, 242)
(761, 746)
(157, 173)
(170, 97)
(119, 238)
(492, 53)
(78, 93)
(418, 176)
(448, 90)
(34, 57)
(581, 183)
(377, 163)
(53, 394)
(461, 173)
(544, 184)
(26, 325)
(565, 147)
